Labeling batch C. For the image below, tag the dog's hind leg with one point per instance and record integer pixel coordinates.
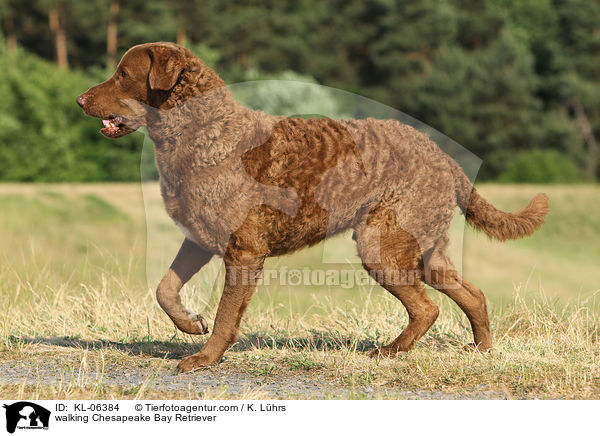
(441, 275)
(392, 257)
(188, 262)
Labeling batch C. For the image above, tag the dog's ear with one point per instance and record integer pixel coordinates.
(166, 64)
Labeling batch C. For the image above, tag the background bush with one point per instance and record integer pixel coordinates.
(540, 166)
(503, 78)
(44, 135)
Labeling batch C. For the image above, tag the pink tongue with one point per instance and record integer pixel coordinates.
(106, 123)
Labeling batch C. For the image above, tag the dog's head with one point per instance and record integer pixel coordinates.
(155, 75)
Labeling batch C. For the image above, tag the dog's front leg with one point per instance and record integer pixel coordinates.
(188, 262)
(243, 269)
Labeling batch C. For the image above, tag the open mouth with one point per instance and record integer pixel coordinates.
(114, 127)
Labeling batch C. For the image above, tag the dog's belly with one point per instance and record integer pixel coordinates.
(283, 227)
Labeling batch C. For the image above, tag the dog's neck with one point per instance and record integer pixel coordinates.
(208, 127)
(195, 80)
(202, 127)
(199, 108)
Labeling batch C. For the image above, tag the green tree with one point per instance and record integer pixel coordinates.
(45, 137)
(579, 39)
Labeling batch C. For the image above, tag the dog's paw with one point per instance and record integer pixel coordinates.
(383, 352)
(471, 347)
(195, 362)
(199, 322)
(197, 326)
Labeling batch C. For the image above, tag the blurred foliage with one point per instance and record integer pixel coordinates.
(540, 166)
(500, 77)
(45, 137)
(287, 93)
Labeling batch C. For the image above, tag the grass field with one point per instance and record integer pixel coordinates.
(79, 264)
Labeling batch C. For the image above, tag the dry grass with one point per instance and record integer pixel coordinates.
(74, 266)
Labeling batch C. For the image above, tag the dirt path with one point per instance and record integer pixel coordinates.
(130, 368)
(224, 380)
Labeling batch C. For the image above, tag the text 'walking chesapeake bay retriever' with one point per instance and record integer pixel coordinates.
(245, 185)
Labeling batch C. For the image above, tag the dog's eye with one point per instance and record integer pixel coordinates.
(123, 73)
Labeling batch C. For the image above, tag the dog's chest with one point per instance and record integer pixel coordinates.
(207, 208)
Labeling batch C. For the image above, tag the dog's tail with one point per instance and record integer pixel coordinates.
(493, 222)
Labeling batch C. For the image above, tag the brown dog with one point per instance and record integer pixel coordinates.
(245, 185)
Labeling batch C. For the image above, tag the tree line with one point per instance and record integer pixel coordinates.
(517, 82)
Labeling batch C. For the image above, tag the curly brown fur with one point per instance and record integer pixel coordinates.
(245, 185)
(495, 223)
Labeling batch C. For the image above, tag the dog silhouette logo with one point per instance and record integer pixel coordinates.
(26, 415)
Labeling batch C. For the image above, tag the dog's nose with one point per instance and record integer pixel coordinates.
(80, 100)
